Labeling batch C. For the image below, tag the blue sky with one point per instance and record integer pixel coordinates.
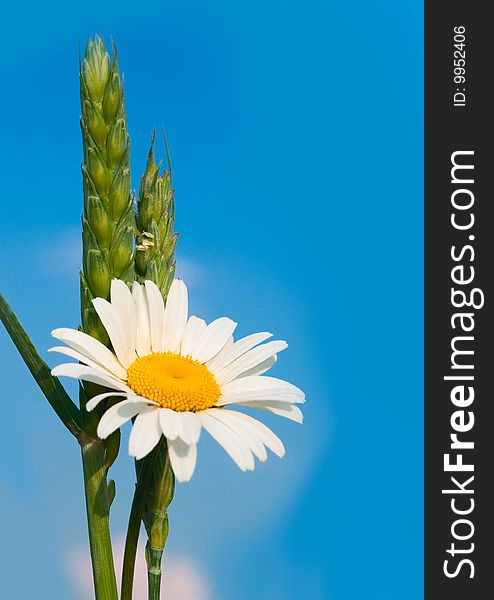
(296, 137)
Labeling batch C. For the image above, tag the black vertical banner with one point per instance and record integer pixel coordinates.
(459, 301)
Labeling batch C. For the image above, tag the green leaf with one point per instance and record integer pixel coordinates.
(51, 387)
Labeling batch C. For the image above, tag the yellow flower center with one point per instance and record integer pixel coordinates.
(173, 381)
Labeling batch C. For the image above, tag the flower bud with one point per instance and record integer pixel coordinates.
(159, 496)
(99, 221)
(98, 274)
(157, 535)
(96, 69)
(117, 142)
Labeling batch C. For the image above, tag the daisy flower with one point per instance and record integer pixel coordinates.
(177, 375)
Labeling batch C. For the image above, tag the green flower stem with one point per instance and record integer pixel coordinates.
(98, 502)
(131, 542)
(155, 516)
(153, 560)
(145, 469)
(153, 494)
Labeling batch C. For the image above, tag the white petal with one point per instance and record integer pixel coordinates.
(95, 400)
(282, 409)
(176, 312)
(169, 423)
(192, 333)
(261, 368)
(258, 429)
(250, 438)
(81, 358)
(213, 339)
(249, 360)
(146, 432)
(111, 321)
(233, 445)
(233, 351)
(136, 398)
(190, 427)
(143, 336)
(121, 298)
(260, 387)
(248, 398)
(92, 348)
(118, 415)
(89, 374)
(156, 313)
(182, 458)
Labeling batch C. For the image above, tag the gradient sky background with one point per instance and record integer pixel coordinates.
(296, 137)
